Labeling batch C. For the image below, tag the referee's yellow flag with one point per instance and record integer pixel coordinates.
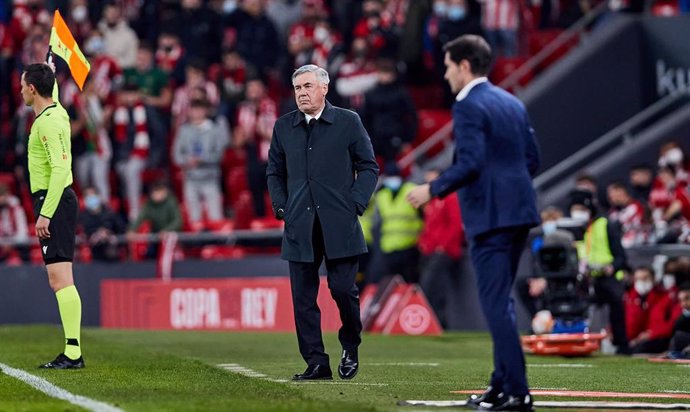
(64, 45)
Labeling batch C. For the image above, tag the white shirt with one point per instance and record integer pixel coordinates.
(317, 116)
(469, 86)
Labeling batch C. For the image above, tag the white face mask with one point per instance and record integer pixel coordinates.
(549, 227)
(674, 156)
(668, 280)
(393, 182)
(643, 287)
(229, 6)
(686, 313)
(580, 215)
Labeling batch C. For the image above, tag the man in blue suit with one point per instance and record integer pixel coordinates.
(496, 156)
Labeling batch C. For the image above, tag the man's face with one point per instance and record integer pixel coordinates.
(28, 93)
(111, 15)
(456, 73)
(144, 60)
(641, 177)
(617, 197)
(159, 195)
(684, 298)
(643, 276)
(310, 93)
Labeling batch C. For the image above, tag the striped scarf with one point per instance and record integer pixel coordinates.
(122, 120)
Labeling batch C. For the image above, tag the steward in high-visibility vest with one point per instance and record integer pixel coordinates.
(603, 258)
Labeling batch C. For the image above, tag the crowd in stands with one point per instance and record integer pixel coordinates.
(184, 95)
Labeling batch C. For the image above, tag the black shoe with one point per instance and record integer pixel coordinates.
(511, 403)
(349, 364)
(491, 396)
(63, 362)
(314, 372)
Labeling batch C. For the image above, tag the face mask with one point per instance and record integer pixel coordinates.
(686, 313)
(668, 280)
(456, 13)
(440, 9)
(79, 13)
(580, 215)
(92, 202)
(94, 46)
(229, 6)
(549, 227)
(393, 182)
(643, 287)
(674, 156)
(112, 25)
(320, 34)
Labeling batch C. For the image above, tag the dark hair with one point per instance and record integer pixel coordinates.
(41, 76)
(387, 66)
(618, 185)
(196, 64)
(472, 48)
(646, 269)
(586, 177)
(641, 166)
(199, 103)
(685, 286)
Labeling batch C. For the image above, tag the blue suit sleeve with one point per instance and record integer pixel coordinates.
(470, 151)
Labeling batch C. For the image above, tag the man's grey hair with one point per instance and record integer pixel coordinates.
(321, 74)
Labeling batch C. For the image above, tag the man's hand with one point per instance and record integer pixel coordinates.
(42, 227)
(536, 287)
(419, 196)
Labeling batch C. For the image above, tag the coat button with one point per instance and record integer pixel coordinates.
(318, 207)
(310, 148)
(309, 209)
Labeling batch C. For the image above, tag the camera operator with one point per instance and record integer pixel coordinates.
(602, 257)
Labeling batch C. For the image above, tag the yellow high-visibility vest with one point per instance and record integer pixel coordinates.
(595, 248)
(400, 222)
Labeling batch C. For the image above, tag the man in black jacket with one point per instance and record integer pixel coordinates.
(680, 343)
(321, 173)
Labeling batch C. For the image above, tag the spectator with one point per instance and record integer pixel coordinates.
(680, 343)
(255, 37)
(640, 182)
(230, 80)
(500, 21)
(199, 31)
(649, 314)
(604, 259)
(161, 211)
(256, 116)
(78, 20)
(401, 225)
(156, 96)
(440, 244)
(105, 73)
(389, 114)
(670, 205)
(121, 42)
(171, 57)
(312, 40)
(195, 78)
(101, 226)
(672, 155)
(198, 150)
(381, 40)
(629, 213)
(13, 225)
(357, 75)
(24, 17)
(410, 18)
(131, 143)
(152, 81)
(91, 145)
(283, 14)
(587, 182)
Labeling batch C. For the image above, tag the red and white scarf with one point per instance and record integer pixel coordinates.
(141, 137)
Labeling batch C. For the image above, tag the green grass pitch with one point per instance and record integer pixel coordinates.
(177, 371)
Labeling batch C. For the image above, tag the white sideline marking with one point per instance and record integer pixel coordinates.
(576, 404)
(57, 392)
(403, 364)
(675, 392)
(560, 365)
(239, 369)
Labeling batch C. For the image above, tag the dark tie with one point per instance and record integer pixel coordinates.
(312, 122)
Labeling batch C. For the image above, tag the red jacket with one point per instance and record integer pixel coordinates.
(656, 314)
(443, 231)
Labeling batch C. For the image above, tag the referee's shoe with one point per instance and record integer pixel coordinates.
(63, 362)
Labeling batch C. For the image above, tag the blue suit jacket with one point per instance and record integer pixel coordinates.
(496, 156)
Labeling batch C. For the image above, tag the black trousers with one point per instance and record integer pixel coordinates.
(438, 270)
(304, 281)
(608, 290)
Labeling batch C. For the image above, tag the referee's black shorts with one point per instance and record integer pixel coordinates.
(63, 226)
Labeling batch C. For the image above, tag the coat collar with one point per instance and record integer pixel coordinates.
(327, 116)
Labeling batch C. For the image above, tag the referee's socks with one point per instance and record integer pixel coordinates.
(69, 303)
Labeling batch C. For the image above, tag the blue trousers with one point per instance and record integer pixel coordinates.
(495, 257)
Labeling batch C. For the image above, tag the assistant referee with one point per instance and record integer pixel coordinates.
(55, 203)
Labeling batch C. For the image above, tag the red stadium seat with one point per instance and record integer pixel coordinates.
(504, 66)
(223, 252)
(537, 40)
(244, 210)
(666, 9)
(235, 183)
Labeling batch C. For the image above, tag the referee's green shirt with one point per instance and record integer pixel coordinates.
(50, 154)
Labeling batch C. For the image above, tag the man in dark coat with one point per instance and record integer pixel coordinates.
(321, 173)
(496, 156)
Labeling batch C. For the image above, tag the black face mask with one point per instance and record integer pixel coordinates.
(167, 49)
(112, 25)
(370, 14)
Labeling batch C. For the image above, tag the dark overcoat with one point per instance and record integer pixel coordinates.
(329, 171)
